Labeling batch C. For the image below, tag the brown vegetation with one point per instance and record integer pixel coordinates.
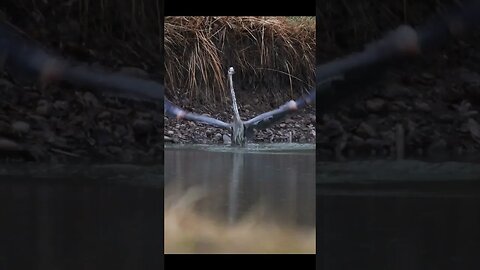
(273, 53)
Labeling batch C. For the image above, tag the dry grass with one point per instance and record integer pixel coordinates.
(186, 231)
(132, 27)
(369, 19)
(275, 53)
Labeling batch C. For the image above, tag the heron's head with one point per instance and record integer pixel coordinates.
(238, 133)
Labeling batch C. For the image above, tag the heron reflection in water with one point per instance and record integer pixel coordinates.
(240, 130)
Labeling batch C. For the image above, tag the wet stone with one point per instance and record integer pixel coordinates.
(43, 108)
(375, 104)
(332, 128)
(422, 106)
(104, 115)
(365, 130)
(226, 139)
(446, 118)
(141, 126)
(20, 127)
(9, 145)
(394, 91)
(474, 129)
(90, 100)
(60, 105)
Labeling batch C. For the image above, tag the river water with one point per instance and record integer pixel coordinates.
(81, 216)
(398, 215)
(235, 182)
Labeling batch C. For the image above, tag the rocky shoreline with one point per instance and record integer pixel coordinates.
(295, 128)
(64, 125)
(427, 110)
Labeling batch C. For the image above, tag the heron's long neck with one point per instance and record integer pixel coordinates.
(234, 100)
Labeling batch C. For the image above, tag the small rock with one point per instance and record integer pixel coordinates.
(104, 115)
(226, 139)
(464, 109)
(411, 126)
(375, 104)
(396, 91)
(141, 126)
(114, 150)
(398, 106)
(38, 152)
(366, 130)
(356, 140)
(209, 132)
(60, 105)
(469, 77)
(446, 118)
(388, 136)
(20, 127)
(422, 106)
(332, 128)
(9, 145)
(90, 100)
(43, 107)
(217, 137)
(170, 132)
(120, 131)
(474, 129)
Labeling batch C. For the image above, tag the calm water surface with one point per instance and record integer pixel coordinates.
(279, 177)
(398, 215)
(81, 216)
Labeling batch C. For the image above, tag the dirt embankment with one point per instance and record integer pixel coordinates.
(274, 62)
(424, 109)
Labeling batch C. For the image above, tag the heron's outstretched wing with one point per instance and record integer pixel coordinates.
(29, 60)
(353, 71)
(173, 111)
(114, 83)
(265, 119)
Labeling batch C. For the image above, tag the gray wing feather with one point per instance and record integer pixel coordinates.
(174, 111)
(266, 119)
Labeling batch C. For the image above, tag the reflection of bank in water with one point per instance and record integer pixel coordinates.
(249, 200)
(189, 231)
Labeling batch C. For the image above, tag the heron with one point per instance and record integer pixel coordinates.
(240, 130)
(20, 54)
